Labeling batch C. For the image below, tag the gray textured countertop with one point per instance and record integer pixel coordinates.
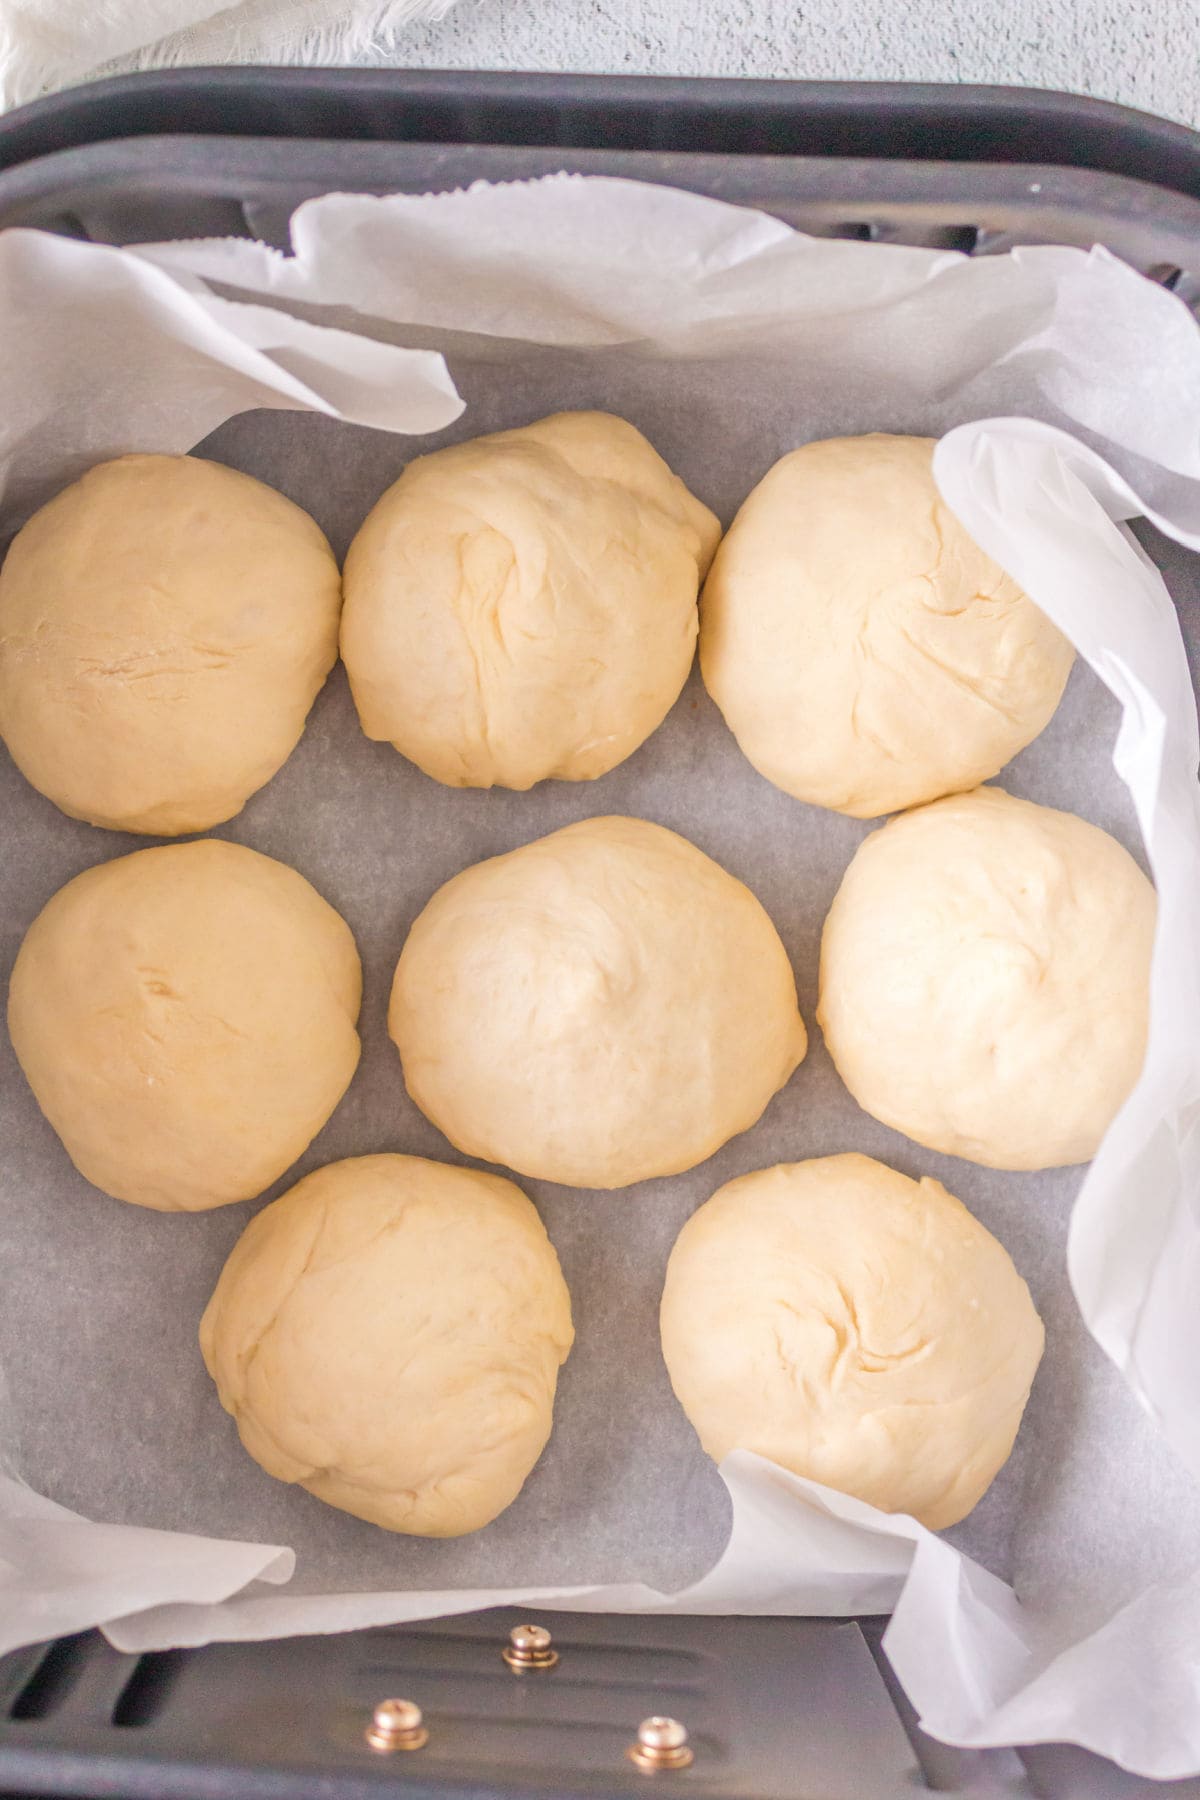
(1143, 52)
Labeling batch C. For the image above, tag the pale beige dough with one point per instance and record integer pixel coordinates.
(601, 1006)
(524, 605)
(165, 626)
(389, 1335)
(186, 1019)
(856, 1327)
(985, 975)
(864, 651)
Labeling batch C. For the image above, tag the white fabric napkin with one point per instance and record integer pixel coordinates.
(46, 44)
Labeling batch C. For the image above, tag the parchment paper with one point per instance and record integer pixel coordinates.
(728, 339)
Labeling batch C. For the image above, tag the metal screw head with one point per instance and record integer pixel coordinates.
(529, 1647)
(397, 1725)
(662, 1734)
(661, 1744)
(397, 1715)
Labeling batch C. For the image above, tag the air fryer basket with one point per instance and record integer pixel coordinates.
(782, 1709)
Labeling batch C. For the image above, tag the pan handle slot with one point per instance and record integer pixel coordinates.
(145, 1694)
(52, 1679)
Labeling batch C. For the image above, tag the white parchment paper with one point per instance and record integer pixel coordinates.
(1068, 1605)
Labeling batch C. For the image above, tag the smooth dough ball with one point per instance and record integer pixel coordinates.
(865, 652)
(165, 626)
(601, 1006)
(389, 1336)
(985, 977)
(524, 605)
(186, 1019)
(856, 1327)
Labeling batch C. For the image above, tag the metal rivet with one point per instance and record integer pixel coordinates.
(529, 1647)
(397, 1725)
(661, 1744)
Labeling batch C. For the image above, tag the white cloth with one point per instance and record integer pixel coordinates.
(45, 44)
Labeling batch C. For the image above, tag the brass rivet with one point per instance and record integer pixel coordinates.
(661, 1744)
(397, 1725)
(528, 1647)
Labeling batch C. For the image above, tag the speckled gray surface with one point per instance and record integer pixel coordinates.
(1143, 53)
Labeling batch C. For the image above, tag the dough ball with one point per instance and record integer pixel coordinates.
(601, 1006)
(389, 1335)
(185, 1017)
(165, 625)
(865, 652)
(985, 975)
(856, 1327)
(524, 605)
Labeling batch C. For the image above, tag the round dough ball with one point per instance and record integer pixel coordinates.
(601, 1006)
(165, 626)
(985, 977)
(865, 652)
(389, 1335)
(856, 1327)
(185, 1017)
(524, 606)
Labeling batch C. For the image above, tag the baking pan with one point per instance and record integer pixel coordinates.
(791, 1708)
(196, 152)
